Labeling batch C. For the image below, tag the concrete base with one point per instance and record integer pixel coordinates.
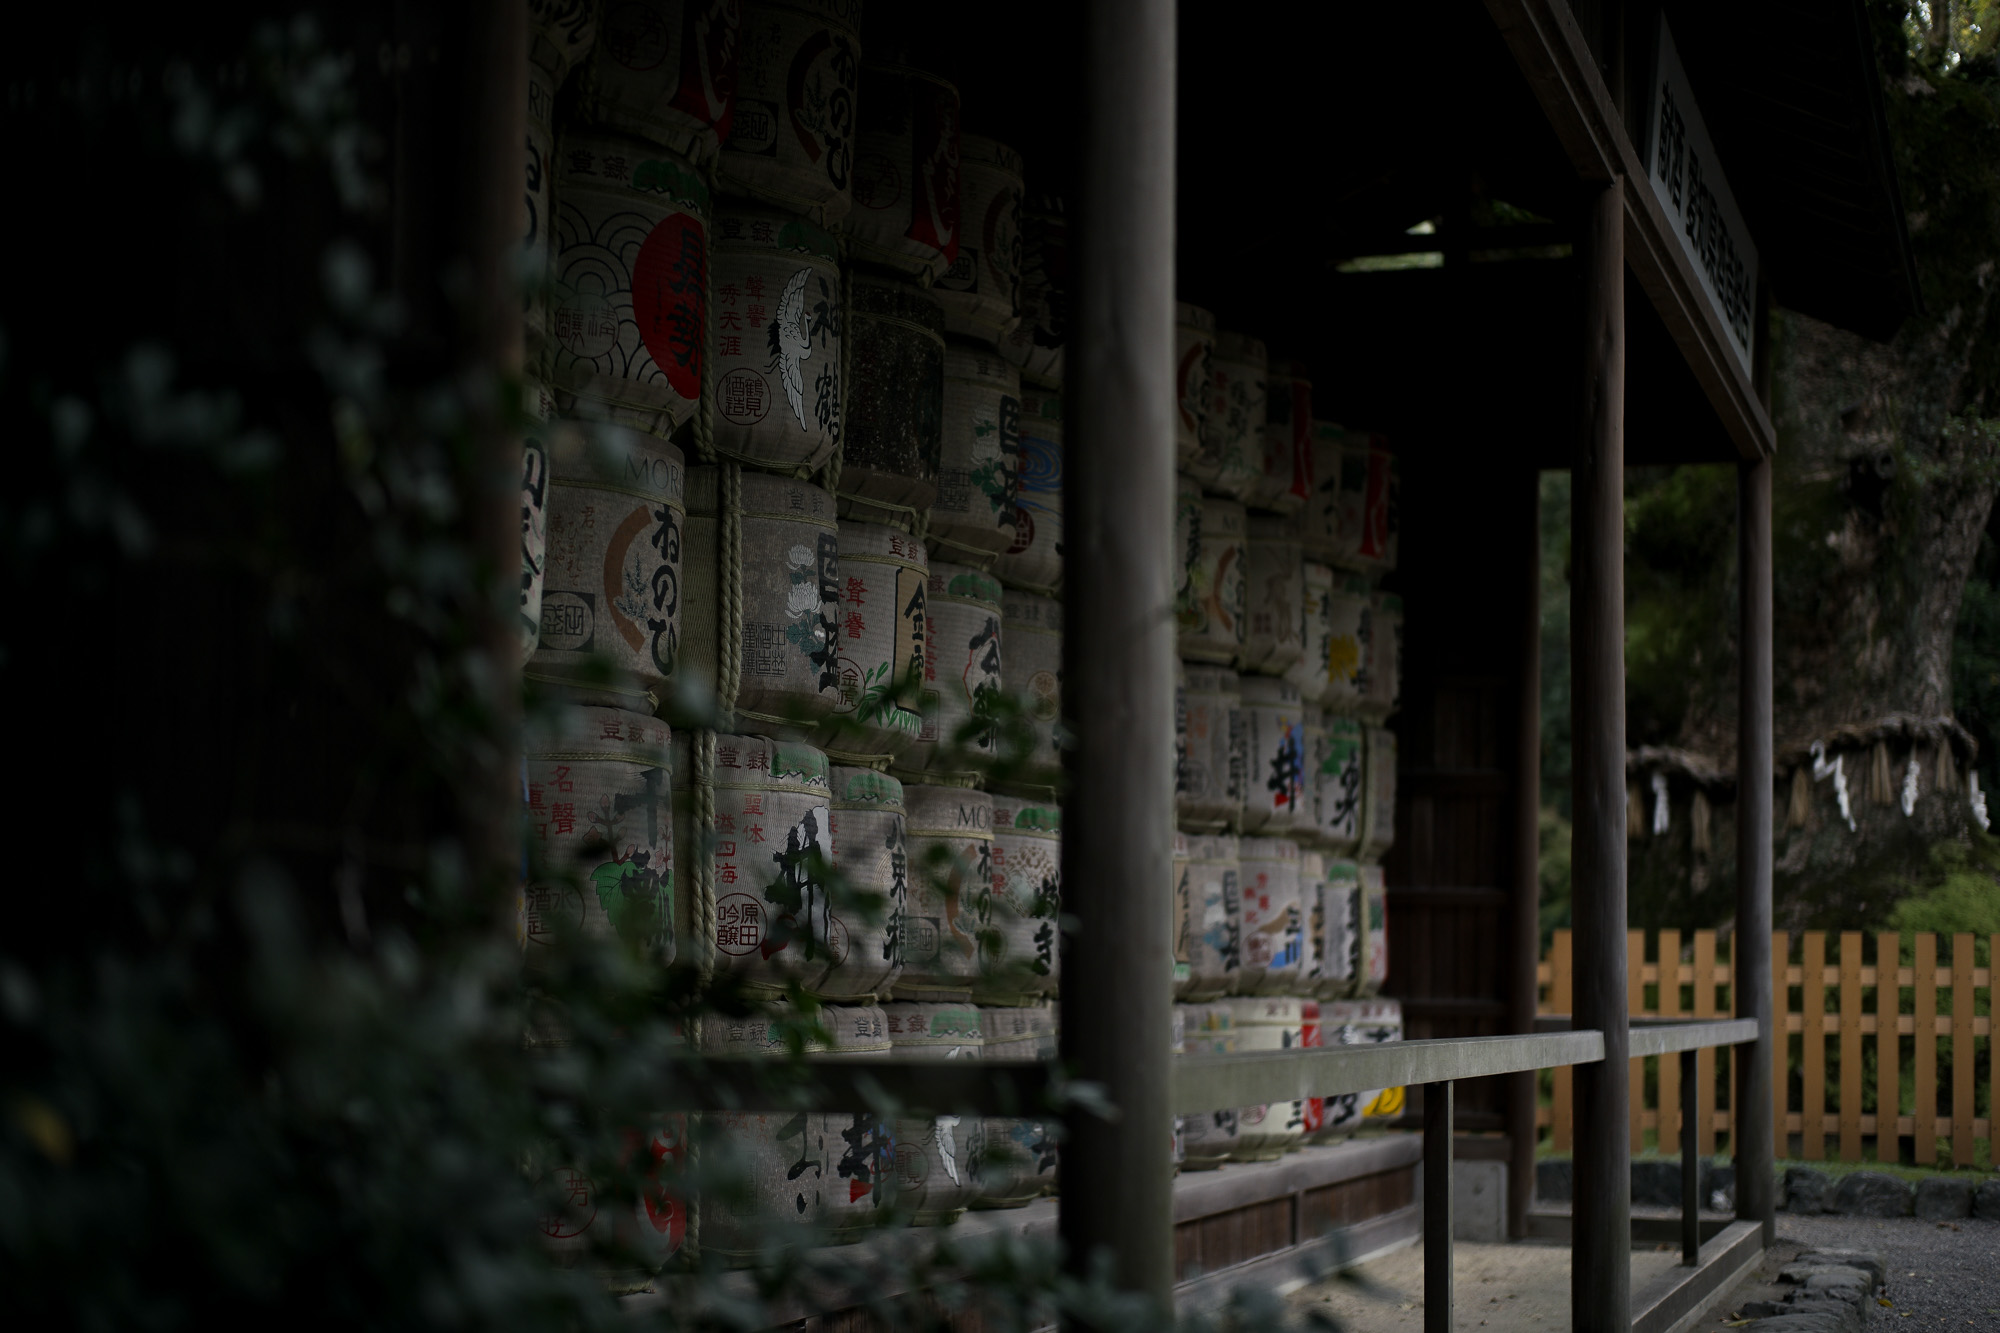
(1479, 1201)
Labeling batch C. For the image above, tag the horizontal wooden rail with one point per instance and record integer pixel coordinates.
(1667, 1038)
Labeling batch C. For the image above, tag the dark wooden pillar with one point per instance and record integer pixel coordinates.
(1751, 1129)
(1601, 1272)
(1525, 931)
(1117, 1199)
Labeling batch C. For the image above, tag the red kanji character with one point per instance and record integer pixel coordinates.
(758, 315)
(731, 345)
(727, 293)
(853, 624)
(725, 756)
(753, 803)
(609, 730)
(855, 587)
(726, 874)
(563, 780)
(534, 796)
(756, 833)
(564, 814)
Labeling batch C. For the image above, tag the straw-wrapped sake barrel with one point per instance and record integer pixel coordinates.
(1312, 873)
(631, 273)
(1215, 903)
(979, 459)
(1231, 461)
(860, 1143)
(878, 644)
(1321, 517)
(560, 33)
(1186, 551)
(601, 830)
(537, 217)
(1035, 343)
(534, 515)
(1368, 504)
(1210, 608)
(1354, 1023)
(1385, 653)
(981, 290)
(1209, 786)
(664, 70)
(611, 584)
(1310, 1039)
(1032, 627)
(1274, 612)
(889, 458)
(907, 184)
(962, 639)
(936, 1159)
(1182, 920)
(622, 1230)
(791, 139)
(1339, 949)
(1267, 1023)
(950, 836)
(787, 572)
(1207, 1141)
(1194, 380)
(1378, 800)
(1276, 798)
(1350, 654)
(1373, 932)
(1017, 1164)
(1286, 477)
(1309, 673)
(1020, 954)
(1272, 924)
(775, 321)
(1034, 561)
(869, 852)
(1337, 786)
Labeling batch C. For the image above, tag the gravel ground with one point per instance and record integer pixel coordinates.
(1940, 1275)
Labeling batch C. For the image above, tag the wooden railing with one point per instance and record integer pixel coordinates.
(1833, 1070)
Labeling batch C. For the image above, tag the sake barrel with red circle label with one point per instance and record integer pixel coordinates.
(664, 70)
(534, 516)
(1032, 737)
(1209, 786)
(1211, 607)
(1350, 654)
(962, 682)
(907, 180)
(1321, 519)
(1339, 892)
(1309, 673)
(1286, 478)
(1385, 674)
(1034, 561)
(1215, 902)
(1373, 931)
(981, 291)
(625, 1225)
(889, 458)
(1274, 615)
(1035, 343)
(1267, 1023)
(1378, 810)
(1024, 956)
(775, 916)
(1276, 799)
(979, 459)
(936, 1158)
(560, 34)
(871, 855)
(600, 833)
(537, 215)
(1337, 786)
(1184, 922)
(610, 624)
(1231, 461)
(1207, 1140)
(1272, 923)
(878, 644)
(791, 138)
(1369, 518)
(775, 314)
(1194, 380)
(629, 318)
(789, 583)
(950, 831)
(1019, 1161)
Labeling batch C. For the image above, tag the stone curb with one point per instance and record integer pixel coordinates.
(1833, 1291)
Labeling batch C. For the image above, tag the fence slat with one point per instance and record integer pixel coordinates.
(1850, 1046)
(1670, 1007)
(1926, 1035)
(1704, 1061)
(1564, 1104)
(1724, 1120)
(1635, 1005)
(1993, 1051)
(1781, 957)
(1888, 1046)
(1963, 1064)
(1812, 1062)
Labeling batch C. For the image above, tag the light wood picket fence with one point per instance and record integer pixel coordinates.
(1933, 1004)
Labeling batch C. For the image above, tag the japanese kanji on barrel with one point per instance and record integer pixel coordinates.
(1209, 785)
(1023, 957)
(869, 843)
(907, 184)
(1032, 627)
(1368, 504)
(1019, 1157)
(1309, 673)
(775, 918)
(950, 833)
(1211, 606)
(1267, 1023)
(1351, 1023)
(537, 218)
(1350, 654)
(1378, 812)
(860, 1162)
(961, 675)
(1194, 384)
(1035, 343)
(1183, 921)
(792, 129)
(601, 833)
(611, 609)
(1372, 931)
(631, 274)
(1339, 946)
(979, 459)
(878, 644)
(889, 457)
(1275, 604)
(1385, 652)
(1215, 905)
(775, 320)
(1286, 478)
(982, 288)
(1231, 461)
(1337, 787)
(1034, 560)
(623, 1236)
(1207, 1140)
(1272, 924)
(788, 576)
(664, 70)
(1321, 519)
(1276, 798)
(534, 514)
(937, 1158)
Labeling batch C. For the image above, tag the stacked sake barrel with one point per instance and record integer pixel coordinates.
(1284, 526)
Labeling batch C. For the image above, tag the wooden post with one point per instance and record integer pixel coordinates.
(1670, 1007)
(1562, 1000)
(1526, 913)
(1704, 1060)
(1635, 1069)
(1690, 1161)
(1117, 1201)
(1812, 1055)
(1760, 1065)
(1601, 1254)
(1437, 1207)
(1926, 1033)
(1964, 1070)
(1850, 1045)
(1888, 1046)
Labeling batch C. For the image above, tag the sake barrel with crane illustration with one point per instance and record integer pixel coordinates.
(775, 324)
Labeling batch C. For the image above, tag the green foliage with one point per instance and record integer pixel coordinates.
(1555, 536)
(1554, 870)
(1680, 526)
(1960, 890)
